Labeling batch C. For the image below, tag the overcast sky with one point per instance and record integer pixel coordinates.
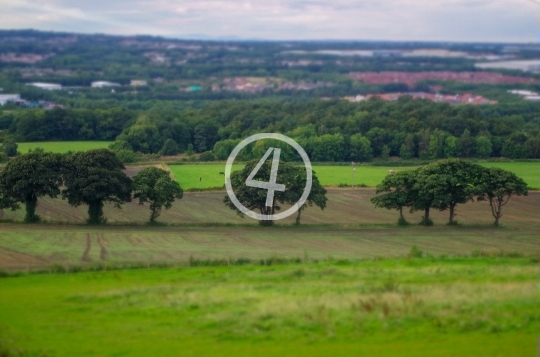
(425, 20)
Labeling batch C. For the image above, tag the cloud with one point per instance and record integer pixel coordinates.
(446, 20)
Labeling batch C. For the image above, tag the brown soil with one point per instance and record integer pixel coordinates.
(345, 206)
(11, 259)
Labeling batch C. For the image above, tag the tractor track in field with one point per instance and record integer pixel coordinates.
(86, 254)
(103, 254)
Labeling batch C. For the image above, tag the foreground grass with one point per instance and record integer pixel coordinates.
(202, 176)
(413, 307)
(63, 146)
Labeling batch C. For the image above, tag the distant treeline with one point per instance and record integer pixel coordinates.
(333, 130)
(121, 59)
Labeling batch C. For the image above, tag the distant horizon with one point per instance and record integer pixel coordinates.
(240, 39)
(461, 21)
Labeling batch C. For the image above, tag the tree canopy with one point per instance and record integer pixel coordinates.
(93, 178)
(445, 184)
(155, 186)
(399, 192)
(292, 177)
(497, 186)
(28, 177)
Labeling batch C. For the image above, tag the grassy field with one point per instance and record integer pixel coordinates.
(404, 307)
(351, 286)
(23, 247)
(349, 227)
(63, 146)
(208, 175)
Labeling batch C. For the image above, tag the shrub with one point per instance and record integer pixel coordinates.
(207, 156)
(126, 156)
(10, 147)
(415, 252)
(190, 150)
(403, 222)
(119, 145)
(426, 222)
(57, 268)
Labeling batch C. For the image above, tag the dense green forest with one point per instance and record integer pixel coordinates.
(333, 130)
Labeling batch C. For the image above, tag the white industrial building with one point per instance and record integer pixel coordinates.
(46, 86)
(103, 84)
(5, 98)
(526, 94)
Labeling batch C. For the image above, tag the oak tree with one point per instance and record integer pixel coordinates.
(94, 178)
(155, 186)
(292, 177)
(398, 192)
(28, 177)
(497, 186)
(445, 184)
(317, 194)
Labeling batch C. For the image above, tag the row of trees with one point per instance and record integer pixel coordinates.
(90, 178)
(95, 177)
(445, 184)
(426, 145)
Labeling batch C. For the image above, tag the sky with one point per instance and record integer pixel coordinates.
(395, 20)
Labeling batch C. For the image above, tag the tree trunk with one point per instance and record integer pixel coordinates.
(266, 211)
(426, 220)
(95, 213)
(297, 222)
(401, 212)
(452, 213)
(496, 207)
(156, 211)
(31, 216)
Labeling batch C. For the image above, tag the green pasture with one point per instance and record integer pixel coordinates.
(63, 146)
(201, 175)
(207, 175)
(528, 171)
(398, 307)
